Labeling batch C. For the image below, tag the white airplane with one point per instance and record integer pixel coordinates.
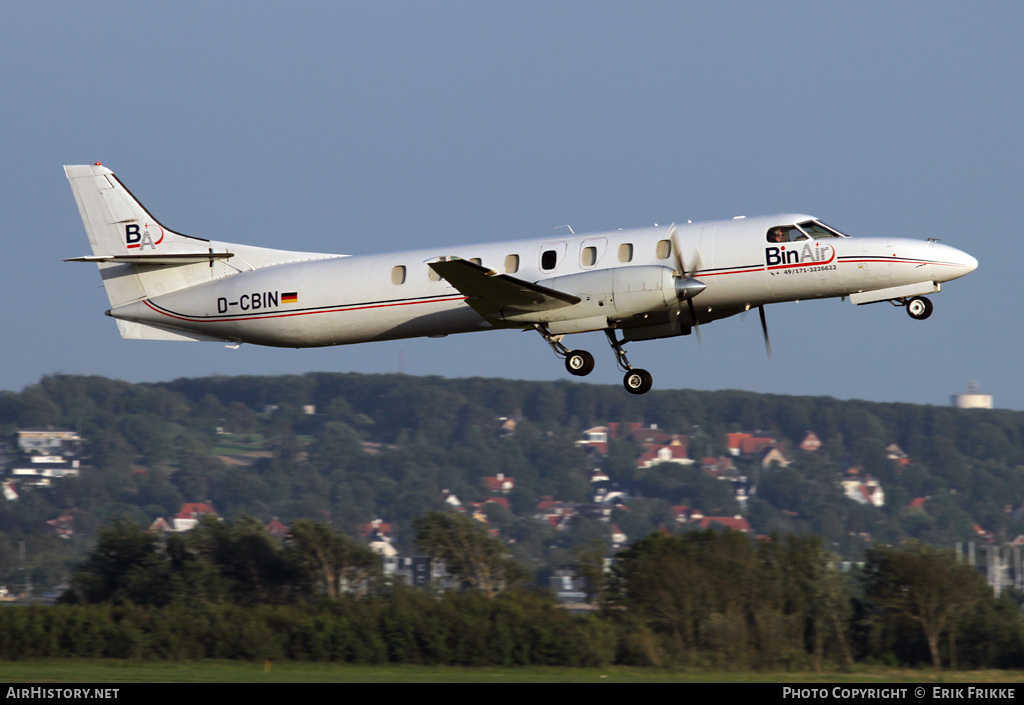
(642, 284)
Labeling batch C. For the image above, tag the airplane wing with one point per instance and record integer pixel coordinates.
(495, 295)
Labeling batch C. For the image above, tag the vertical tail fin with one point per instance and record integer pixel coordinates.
(123, 234)
(115, 221)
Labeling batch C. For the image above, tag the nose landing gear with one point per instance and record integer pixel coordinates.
(919, 308)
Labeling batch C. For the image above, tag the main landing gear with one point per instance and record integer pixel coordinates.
(581, 363)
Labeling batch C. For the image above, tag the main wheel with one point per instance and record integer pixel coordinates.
(919, 308)
(638, 381)
(579, 363)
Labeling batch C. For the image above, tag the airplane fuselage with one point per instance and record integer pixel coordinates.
(354, 299)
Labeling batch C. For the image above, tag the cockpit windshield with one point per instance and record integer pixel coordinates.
(818, 230)
(803, 231)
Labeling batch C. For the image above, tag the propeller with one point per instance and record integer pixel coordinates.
(686, 285)
(764, 330)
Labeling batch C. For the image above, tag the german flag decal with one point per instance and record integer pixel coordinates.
(289, 297)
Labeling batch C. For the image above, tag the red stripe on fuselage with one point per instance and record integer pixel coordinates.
(337, 309)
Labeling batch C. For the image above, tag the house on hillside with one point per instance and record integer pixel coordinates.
(41, 470)
(556, 513)
(595, 439)
(10, 491)
(747, 444)
(736, 523)
(895, 453)
(675, 452)
(722, 466)
(866, 491)
(500, 484)
(605, 491)
(277, 529)
(49, 441)
(619, 539)
(774, 457)
(161, 526)
(811, 442)
(378, 536)
(51, 454)
(62, 525)
(506, 427)
(188, 517)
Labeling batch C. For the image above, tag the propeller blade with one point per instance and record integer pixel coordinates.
(676, 252)
(693, 320)
(764, 329)
(686, 286)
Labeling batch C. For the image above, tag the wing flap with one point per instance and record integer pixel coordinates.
(498, 295)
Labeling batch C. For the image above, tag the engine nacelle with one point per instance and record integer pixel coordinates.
(616, 294)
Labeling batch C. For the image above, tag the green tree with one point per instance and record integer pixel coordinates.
(253, 565)
(924, 584)
(125, 566)
(590, 565)
(469, 553)
(335, 559)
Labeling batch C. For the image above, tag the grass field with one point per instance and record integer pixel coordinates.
(114, 672)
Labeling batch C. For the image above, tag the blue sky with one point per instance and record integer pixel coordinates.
(362, 127)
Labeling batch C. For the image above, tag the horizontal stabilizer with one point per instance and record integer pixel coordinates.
(492, 294)
(170, 258)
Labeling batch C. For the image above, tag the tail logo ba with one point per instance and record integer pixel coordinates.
(141, 238)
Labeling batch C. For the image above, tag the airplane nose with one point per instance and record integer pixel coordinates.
(952, 263)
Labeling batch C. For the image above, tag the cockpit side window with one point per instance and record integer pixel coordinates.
(819, 230)
(785, 233)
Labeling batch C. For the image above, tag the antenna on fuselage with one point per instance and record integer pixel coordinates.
(565, 226)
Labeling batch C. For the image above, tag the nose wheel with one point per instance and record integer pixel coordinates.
(919, 308)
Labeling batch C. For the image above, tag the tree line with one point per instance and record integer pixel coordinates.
(715, 599)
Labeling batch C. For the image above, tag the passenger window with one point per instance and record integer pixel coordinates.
(664, 250)
(511, 264)
(398, 274)
(548, 260)
(588, 258)
(626, 252)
